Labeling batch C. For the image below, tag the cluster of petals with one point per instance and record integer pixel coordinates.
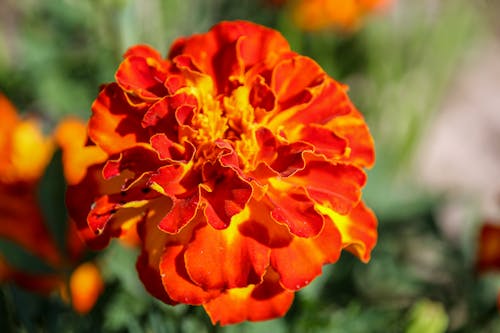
(25, 153)
(346, 15)
(237, 162)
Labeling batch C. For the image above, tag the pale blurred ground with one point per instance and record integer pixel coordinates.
(460, 155)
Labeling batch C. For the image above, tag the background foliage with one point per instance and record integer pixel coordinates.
(399, 66)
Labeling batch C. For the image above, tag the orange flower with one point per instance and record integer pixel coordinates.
(240, 164)
(488, 255)
(344, 14)
(489, 248)
(25, 153)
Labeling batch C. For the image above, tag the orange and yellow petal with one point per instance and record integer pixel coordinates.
(264, 301)
(142, 72)
(295, 210)
(225, 195)
(353, 128)
(229, 48)
(176, 280)
(302, 260)
(358, 229)
(148, 262)
(223, 259)
(115, 124)
(337, 186)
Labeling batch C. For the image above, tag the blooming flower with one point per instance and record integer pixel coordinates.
(344, 14)
(240, 165)
(24, 155)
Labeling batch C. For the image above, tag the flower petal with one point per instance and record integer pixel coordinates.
(175, 278)
(292, 77)
(328, 101)
(115, 125)
(325, 141)
(230, 47)
(148, 262)
(142, 72)
(254, 303)
(222, 259)
(301, 261)
(182, 212)
(337, 186)
(358, 229)
(294, 209)
(224, 193)
(352, 127)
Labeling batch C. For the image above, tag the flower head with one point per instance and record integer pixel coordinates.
(239, 164)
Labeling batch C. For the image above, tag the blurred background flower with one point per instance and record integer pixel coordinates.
(424, 74)
(32, 256)
(343, 15)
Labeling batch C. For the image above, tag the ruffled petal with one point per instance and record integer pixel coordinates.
(358, 229)
(326, 102)
(142, 72)
(326, 142)
(291, 207)
(229, 48)
(264, 301)
(352, 127)
(302, 260)
(293, 77)
(177, 281)
(148, 262)
(222, 259)
(225, 194)
(337, 186)
(173, 269)
(170, 181)
(115, 124)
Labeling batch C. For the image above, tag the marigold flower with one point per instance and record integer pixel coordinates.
(488, 256)
(344, 14)
(24, 155)
(239, 162)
